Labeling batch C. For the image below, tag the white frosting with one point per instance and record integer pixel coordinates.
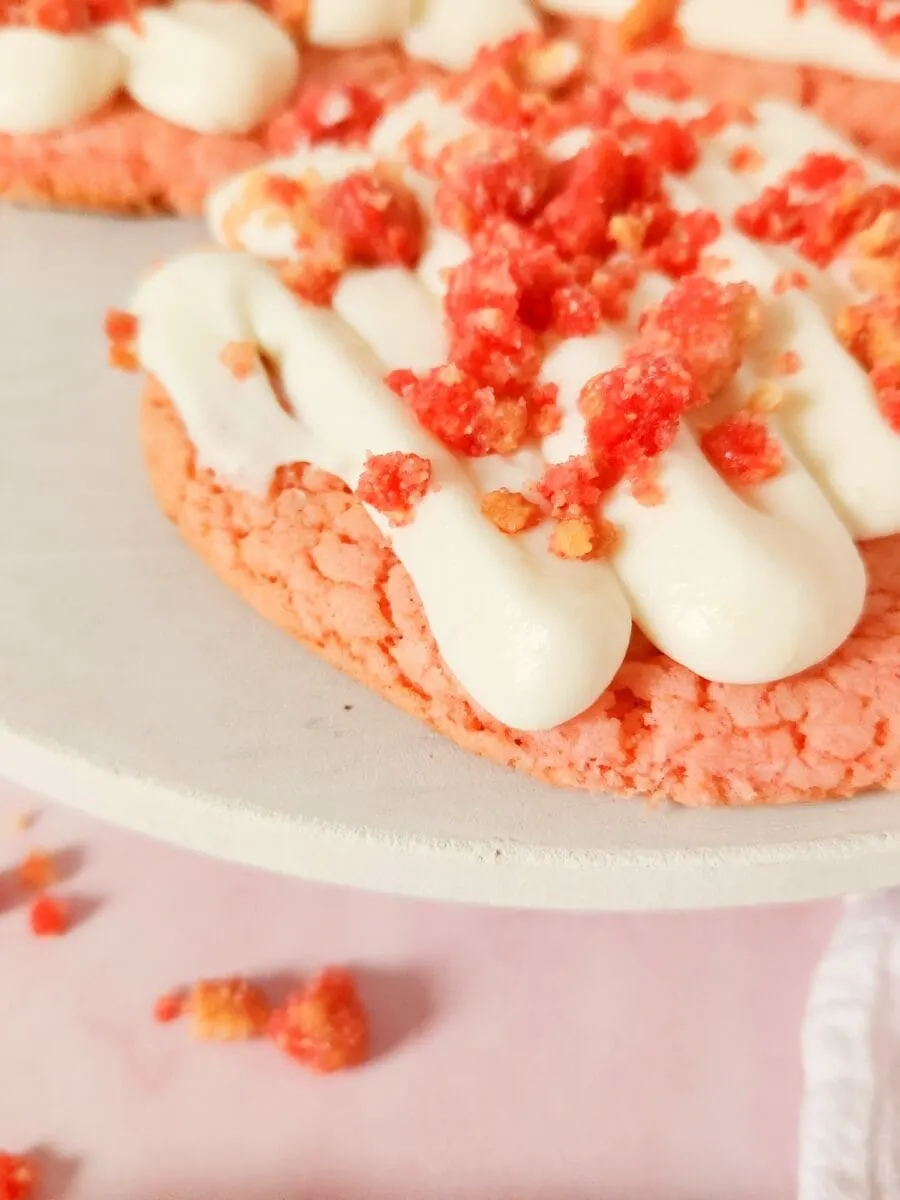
(267, 231)
(533, 639)
(741, 588)
(355, 22)
(451, 32)
(764, 29)
(48, 80)
(213, 66)
(730, 588)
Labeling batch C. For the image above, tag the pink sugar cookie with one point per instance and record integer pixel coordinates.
(309, 559)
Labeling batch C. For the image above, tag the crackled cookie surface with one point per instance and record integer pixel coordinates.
(600, 395)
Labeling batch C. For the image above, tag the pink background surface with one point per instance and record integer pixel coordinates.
(519, 1056)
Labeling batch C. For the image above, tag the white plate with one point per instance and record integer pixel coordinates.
(133, 685)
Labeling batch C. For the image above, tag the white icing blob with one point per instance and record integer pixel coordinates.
(451, 32)
(48, 80)
(533, 639)
(351, 23)
(214, 66)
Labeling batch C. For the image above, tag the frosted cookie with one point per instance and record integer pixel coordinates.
(836, 57)
(123, 105)
(566, 419)
(130, 106)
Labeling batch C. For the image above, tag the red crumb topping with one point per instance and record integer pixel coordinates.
(18, 1177)
(169, 1007)
(394, 484)
(344, 114)
(37, 871)
(227, 1010)
(121, 329)
(745, 158)
(314, 277)
(633, 411)
(48, 917)
(324, 1025)
(490, 173)
(886, 381)
(648, 22)
(464, 415)
(376, 217)
(879, 17)
(665, 82)
(871, 331)
(570, 488)
(787, 363)
(68, 16)
(818, 207)
(510, 511)
(241, 358)
(788, 280)
(743, 450)
(707, 324)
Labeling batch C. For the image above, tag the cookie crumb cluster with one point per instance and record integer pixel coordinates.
(394, 484)
(69, 16)
(322, 1024)
(18, 1177)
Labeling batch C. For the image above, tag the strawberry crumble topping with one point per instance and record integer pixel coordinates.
(707, 324)
(48, 917)
(743, 450)
(819, 206)
(376, 218)
(343, 114)
(68, 16)
(633, 411)
(323, 1025)
(121, 330)
(648, 22)
(18, 1177)
(394, 484)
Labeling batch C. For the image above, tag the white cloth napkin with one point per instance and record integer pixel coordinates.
(850, 1119)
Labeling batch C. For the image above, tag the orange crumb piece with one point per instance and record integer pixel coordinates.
(227, 1010)
(48, 917)
(647, 22)
(581, 537)
(169, 1007)
(645, 485)
(628, 232)
(21, 821)
(742, 449)
(788, 363)
(18, 1177)
(766, 397)
(790, 279)
(871, 331)
(324, 1025)
(510, 511)
(745, 158)
(121, 330)
(37, 871)
(241, 358)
